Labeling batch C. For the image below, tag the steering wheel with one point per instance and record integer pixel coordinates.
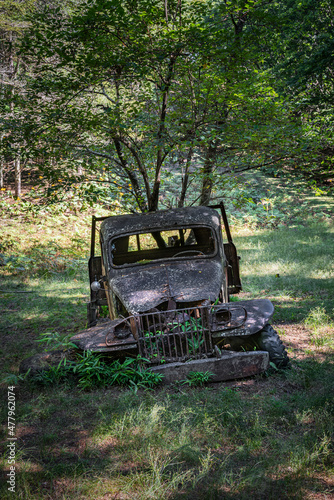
(188, 251)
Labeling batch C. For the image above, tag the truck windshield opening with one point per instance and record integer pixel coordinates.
(189, 243)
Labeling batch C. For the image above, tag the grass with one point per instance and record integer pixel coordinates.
(291, 266)
(267, 437)
(198, 444)
(321, 326)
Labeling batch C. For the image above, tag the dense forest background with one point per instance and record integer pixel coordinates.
(110, 100)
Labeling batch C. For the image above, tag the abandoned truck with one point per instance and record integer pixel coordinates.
(167, 278)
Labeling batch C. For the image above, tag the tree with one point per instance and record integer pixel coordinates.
(301, 57)
(12, 14)
(133, 89)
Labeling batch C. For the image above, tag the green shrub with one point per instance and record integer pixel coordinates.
(90, 371)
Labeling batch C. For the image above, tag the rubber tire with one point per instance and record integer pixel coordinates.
(266, 339)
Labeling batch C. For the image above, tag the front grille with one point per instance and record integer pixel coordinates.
(174, 335)
(184, 334)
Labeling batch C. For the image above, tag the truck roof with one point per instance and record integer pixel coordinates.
(134, 223)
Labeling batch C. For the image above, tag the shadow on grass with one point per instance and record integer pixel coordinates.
(264, 444)
(57, 305)
(290, 486)
(293, 296)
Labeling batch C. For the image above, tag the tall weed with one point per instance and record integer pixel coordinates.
(89, 371)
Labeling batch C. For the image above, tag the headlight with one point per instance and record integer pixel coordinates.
(95, 286)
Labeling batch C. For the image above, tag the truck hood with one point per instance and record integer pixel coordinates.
(144, 287)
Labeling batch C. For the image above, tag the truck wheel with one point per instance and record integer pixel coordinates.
(266, 339)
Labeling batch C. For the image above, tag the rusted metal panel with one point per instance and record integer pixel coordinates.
(131, 223)
(143, 288)
(258, 313)
(233, 273)
(177, 334)
(233, 277)
(102, 338)
(229, 366)
(95, 273)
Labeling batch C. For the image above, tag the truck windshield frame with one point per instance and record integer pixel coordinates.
(188, 242)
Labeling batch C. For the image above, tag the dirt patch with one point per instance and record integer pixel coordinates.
(296, 337)
(299, 342)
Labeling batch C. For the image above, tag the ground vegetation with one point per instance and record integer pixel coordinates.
(265, 437)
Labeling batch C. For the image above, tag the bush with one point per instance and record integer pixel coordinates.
(90, 371)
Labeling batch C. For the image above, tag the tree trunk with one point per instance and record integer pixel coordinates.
(154, 199)
(207, 181)
(17, 169)
(2, 164)
(132, 177)
(1, 174)
(185, 178)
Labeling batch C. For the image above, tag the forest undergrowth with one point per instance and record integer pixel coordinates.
(267, 437)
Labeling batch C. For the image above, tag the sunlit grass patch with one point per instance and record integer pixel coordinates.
(292, 267)
(33, 307)
(321, 326)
